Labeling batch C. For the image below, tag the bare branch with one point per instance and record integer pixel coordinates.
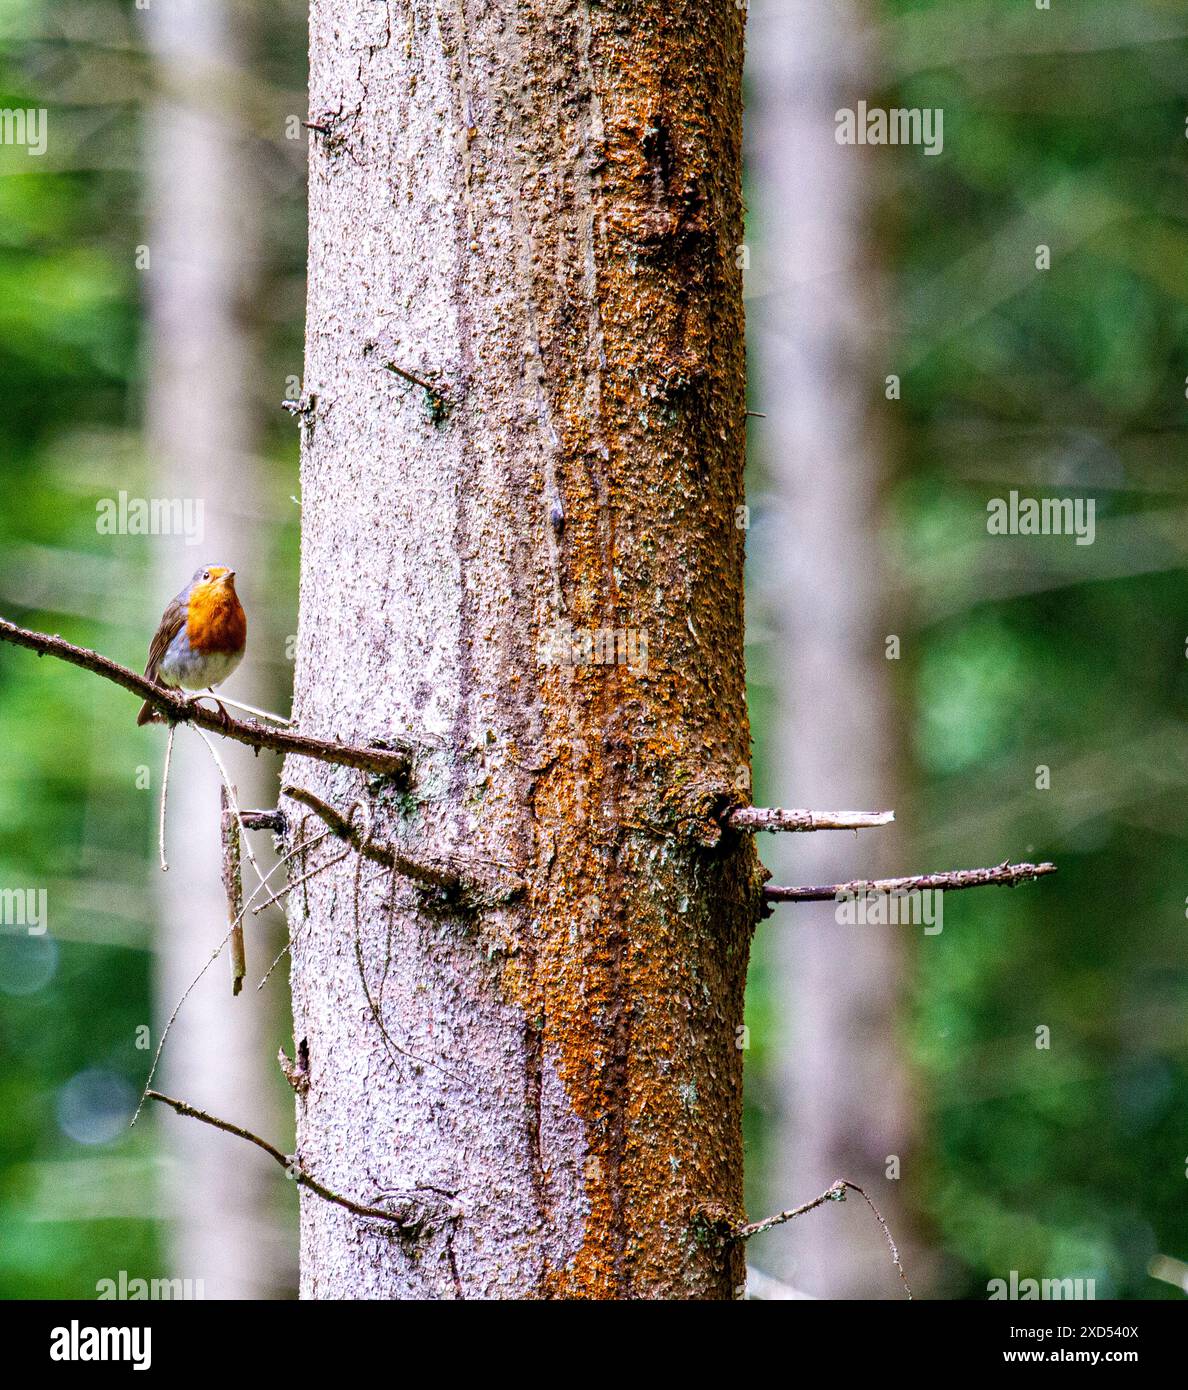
(380, 854)
(291, 1163)
(394, 758)
(773, 818)
(253, 709)
(450, 876)
(273, 820)
(836, 1193)
(411, 378)
(1005, 874)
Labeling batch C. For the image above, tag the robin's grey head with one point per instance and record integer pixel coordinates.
(213, 574)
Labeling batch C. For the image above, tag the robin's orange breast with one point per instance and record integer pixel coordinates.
(215, 620)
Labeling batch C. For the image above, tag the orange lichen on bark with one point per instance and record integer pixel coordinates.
(640, 920)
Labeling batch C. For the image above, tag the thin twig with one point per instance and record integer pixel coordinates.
(291, 1163)
(229, 788)
(305, 877)
(836, 1193)
(394, 760)
(412, 379)
(284, 950)
(165, 800)
(297, 882)
(774, 818)
(435, 397)
(276, 960)
(394, 1048)
(301, 841)
(251, 709)
(210, 960)
(1005, 874)
(172, 1019)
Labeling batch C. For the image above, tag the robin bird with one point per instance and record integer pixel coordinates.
(201, 638)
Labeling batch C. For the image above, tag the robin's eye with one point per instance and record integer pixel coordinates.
(206, 574)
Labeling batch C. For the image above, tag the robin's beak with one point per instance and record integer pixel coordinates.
(229, 578)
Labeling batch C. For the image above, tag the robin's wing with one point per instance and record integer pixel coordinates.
(172, 621)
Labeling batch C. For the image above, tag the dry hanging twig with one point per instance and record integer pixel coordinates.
(165, 800)
(229, 788)
(210, 960)
(233, 887)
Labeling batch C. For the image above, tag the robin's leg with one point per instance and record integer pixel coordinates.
(222, 708)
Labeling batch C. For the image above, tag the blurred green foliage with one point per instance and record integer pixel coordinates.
(79, 1191)
(1064, 128)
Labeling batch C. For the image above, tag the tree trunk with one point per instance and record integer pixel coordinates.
(536, 566)
(204, 242)
(842, 1095)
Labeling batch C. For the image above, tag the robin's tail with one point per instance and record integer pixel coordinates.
(147, 714)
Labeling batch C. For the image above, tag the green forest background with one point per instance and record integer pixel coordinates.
(1077, 661)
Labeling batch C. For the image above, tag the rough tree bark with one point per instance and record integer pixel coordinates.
(533, 208)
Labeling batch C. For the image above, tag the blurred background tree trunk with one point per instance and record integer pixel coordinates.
(204, 431)
(538, 213)
(841, 1096)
